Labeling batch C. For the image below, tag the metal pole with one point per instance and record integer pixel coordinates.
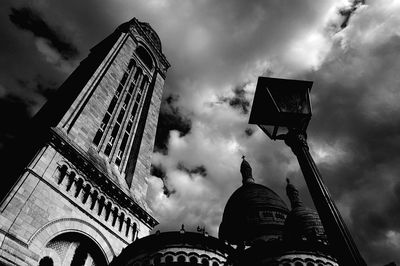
(339, 237)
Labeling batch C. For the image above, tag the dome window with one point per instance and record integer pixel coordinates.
(169, 259)
(181, 259)
(193, 261)
(204, 262)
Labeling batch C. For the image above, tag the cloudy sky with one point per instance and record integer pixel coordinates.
(217, 50)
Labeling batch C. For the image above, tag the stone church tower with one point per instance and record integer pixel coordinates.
(77, 192)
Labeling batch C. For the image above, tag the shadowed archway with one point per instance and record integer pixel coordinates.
(73, 249)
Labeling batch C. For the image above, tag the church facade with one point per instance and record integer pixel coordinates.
(78, 179)
(257, 229)
(78, 175)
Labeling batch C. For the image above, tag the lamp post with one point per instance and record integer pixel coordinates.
(282, 109)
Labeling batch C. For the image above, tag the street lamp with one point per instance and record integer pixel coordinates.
(282, 109)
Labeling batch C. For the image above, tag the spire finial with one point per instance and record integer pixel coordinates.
(246, 171)
(182, 231)
(293, 195)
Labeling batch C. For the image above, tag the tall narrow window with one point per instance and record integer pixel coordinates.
(131, 88)
(111, 139)
(128, 129)
(110, 110)
(142, 85)
(113, 103)
(134, 229)
(129, 126)
(131, 64)
(118, 124)
(137, 74)
(138, 130)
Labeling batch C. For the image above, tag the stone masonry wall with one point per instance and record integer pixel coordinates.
(43, 204)
(53, 196)
(81, 122)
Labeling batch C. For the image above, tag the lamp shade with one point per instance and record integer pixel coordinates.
(280, 105)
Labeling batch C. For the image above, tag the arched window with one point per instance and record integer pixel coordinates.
(108, 210)
(298, 264)
(134, 229)
(204, 262)
(87, 193)
(169, 259)
(71, 179)
(101, 205)
(115, 215)
(145, 57)
(181, 259)
(128, 226)
(121, 221)
(215, 264)
(63, 173)
(79, 248)
(94, 199)
(193, 260)
(79, 185)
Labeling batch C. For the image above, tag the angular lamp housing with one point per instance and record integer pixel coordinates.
(280, 105)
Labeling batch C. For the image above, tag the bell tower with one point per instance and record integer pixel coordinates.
(78, 174)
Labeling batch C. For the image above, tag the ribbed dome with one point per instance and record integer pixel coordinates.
(302, 223)
(252, 212)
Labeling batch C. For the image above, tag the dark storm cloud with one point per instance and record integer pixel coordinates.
(357, 110)
(171, 118)
(159, 171)
(199, 170)
(25, 57)
(368, 172)
(39, 85)
(348, 11)
(249, 131)
(14, 115)
(16, 109)
(213, 45)
(238, 100)
(28, 19)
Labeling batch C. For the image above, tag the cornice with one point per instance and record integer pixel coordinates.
(68, 150)
(160, 54)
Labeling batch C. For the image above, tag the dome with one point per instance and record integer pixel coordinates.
(252, 212)
(302, 223)
(174, 248)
